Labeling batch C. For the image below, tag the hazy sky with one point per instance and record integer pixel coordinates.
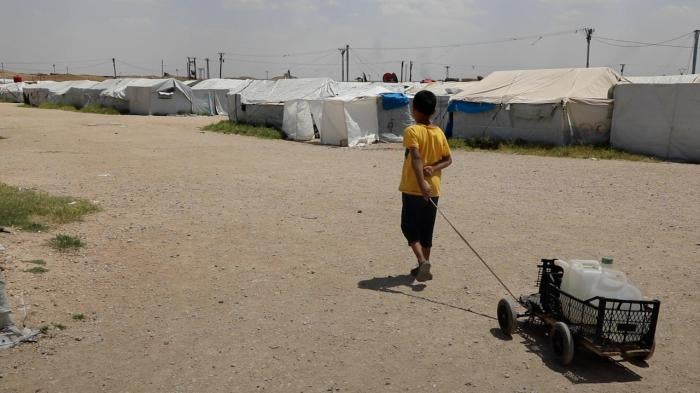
(303, 35)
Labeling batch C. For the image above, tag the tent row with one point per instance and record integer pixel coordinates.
(647, 115)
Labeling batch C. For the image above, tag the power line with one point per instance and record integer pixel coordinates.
(640, 44)
(475, 43)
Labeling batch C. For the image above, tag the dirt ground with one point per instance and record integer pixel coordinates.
(231, 264)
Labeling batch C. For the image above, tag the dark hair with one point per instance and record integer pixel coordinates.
(424, 102)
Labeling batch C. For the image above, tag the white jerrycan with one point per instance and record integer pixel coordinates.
(579, 280)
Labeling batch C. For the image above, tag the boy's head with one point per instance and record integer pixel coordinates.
(424, 103)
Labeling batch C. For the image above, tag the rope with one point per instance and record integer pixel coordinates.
(474, 251)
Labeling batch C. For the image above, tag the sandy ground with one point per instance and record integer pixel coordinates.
(232, 264)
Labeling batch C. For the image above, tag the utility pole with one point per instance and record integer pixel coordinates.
(221, 64)
(208, 74)
(194, 60)
(66, 70)
(189, 72)
(162, 68)
(342, 64)
(347, 62)
(622, 69)
(402, 71)
(695, 49)
(114, 67)
(177, 72)
(54, 68)
(447, 72)
(410, 71)
(589, 34)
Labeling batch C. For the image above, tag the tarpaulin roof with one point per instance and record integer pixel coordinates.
(441, 88)
(222, 84)
(662, 80)
(279, 91)
(591, 85)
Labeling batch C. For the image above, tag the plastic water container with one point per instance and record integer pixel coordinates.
(586, 279)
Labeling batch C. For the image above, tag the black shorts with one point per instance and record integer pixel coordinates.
(418, 219)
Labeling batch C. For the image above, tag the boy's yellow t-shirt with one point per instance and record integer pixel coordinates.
(433, 147)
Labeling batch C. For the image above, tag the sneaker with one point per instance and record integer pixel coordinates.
(423, 273)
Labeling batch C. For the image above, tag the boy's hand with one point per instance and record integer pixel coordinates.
(428, 170)
(426, 189)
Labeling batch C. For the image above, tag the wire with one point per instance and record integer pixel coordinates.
(475, 43)
(298, 54)
(639, 44)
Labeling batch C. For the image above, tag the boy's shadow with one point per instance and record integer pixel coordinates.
(385, 283)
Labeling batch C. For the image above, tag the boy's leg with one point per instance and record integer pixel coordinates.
(410, 226)
(427, 223)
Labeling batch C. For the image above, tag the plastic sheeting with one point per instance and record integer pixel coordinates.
(161, 97)
(12, 92)
(211, 94)
(658, 119)
(394, 100)
(662, 80)
(37, 93)
(351, 120)
(69, 92)
(588, 85)
(299, 119)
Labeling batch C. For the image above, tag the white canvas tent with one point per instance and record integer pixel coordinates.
(160, 97)
(553, 106)
(351, 119)
(37, 93)
(212, 93)
(69, 92)
(262, 101)
(12, 92)
(444, 91)
(661, 120)
(662, 79)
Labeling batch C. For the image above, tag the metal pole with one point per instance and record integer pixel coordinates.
(162, 68)
(347, 62)
(208, 75)
(447, 73)
(114, 67)
(221, 64)
(410, 71)
(695, 49)
(402, 71)
(342, 64)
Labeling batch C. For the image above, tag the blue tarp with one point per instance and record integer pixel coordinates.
(470, 107)
(394, 101)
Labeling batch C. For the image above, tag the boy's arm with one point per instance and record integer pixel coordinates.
(417, 162)
(438, 166)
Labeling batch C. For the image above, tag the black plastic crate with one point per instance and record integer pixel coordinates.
(603, 321)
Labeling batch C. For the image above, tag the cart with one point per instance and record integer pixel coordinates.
(605, 326)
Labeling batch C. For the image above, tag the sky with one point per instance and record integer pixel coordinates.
(269, 37)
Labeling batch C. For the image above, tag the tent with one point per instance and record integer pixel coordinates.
(443, 92)
(658, 119)
(552, 106)
(262, 101)
(12, 92)
(663, 79)
(212, 93)
(393, 115)
(160, 97)
(37, 93)
(351, 119)
(69, 92)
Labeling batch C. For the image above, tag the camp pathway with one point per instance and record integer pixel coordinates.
(228, 263)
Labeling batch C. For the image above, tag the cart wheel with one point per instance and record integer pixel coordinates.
(562, 343)
(507, 318)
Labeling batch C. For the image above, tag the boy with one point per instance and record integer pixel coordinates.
(427, 154)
